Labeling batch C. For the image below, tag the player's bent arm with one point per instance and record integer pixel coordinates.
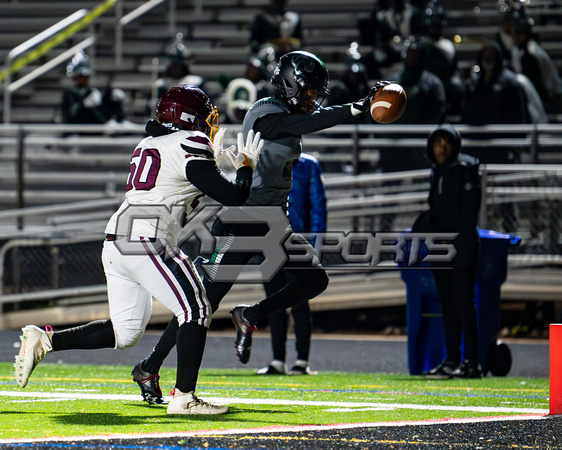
(211, 181)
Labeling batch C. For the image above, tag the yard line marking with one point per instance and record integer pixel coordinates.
(271, 401)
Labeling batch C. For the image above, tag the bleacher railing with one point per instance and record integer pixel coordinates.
(60, 184)
(46, 164)
(124, 20)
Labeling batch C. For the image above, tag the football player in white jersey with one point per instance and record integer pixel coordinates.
(170, 170)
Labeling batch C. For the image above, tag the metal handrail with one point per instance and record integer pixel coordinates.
(49, 38)
(27, 45)
(135, 14)
(50, 64)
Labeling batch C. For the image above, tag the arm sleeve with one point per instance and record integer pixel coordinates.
(282, 125)
(317, 194)
(211, 181)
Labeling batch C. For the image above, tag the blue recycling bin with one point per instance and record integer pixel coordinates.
(426, 343)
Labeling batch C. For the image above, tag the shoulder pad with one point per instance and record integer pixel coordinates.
(196, 143)
(270, 105)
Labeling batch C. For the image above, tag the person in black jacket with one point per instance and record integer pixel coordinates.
(454, 201)
(494, 94)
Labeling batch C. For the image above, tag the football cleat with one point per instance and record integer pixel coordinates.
(244, 329)
(443, 371)
(35, 344)
(301, 368)
(276, 367)
(149, 385)
(189, 404)
(467, 369)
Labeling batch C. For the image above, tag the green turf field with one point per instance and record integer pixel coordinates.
(70, 400)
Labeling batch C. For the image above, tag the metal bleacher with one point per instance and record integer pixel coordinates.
(58, 187)
(217, 33)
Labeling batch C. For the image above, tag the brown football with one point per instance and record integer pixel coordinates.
(389, 103)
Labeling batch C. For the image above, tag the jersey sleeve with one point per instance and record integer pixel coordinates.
(211, 181)
(283, 124)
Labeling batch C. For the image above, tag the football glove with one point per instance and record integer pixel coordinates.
(249, 153)
(364, 104)
(220, 152)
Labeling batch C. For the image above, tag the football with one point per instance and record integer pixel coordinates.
(388, 103)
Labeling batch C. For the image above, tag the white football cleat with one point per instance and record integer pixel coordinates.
(35, 344)
(182, 403)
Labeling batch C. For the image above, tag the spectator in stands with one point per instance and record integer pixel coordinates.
(426, 105)
(503, 36)
(242, 93)
(354, 83)
(441, 56)
(530, 59)
(277, 27)
(84, 104)
(504, 39)
(177, 72)
(307, 214)
(427, 101)
(493, 94)
(454, 201)
(260, 69)
(535, 108)
(385, 30)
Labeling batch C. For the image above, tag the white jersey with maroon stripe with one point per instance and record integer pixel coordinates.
(158, 178)
(159, 197)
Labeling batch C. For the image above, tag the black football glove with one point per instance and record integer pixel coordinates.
(363, 105)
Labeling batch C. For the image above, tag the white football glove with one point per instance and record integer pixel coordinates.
(219, 152)
(248, 154)
(93, 99)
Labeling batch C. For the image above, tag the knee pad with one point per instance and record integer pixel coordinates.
(127, 337)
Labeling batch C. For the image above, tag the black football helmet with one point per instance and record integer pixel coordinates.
(186, 107)
(301, 80)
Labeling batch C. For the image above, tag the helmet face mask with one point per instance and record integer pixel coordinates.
(186, 107)
(301, 80)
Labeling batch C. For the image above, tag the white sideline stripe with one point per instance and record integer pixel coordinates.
(272, 401)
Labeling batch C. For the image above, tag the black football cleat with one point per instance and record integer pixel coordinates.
(244, 331)
(467, 369)
(149, 385)
(443, 371)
